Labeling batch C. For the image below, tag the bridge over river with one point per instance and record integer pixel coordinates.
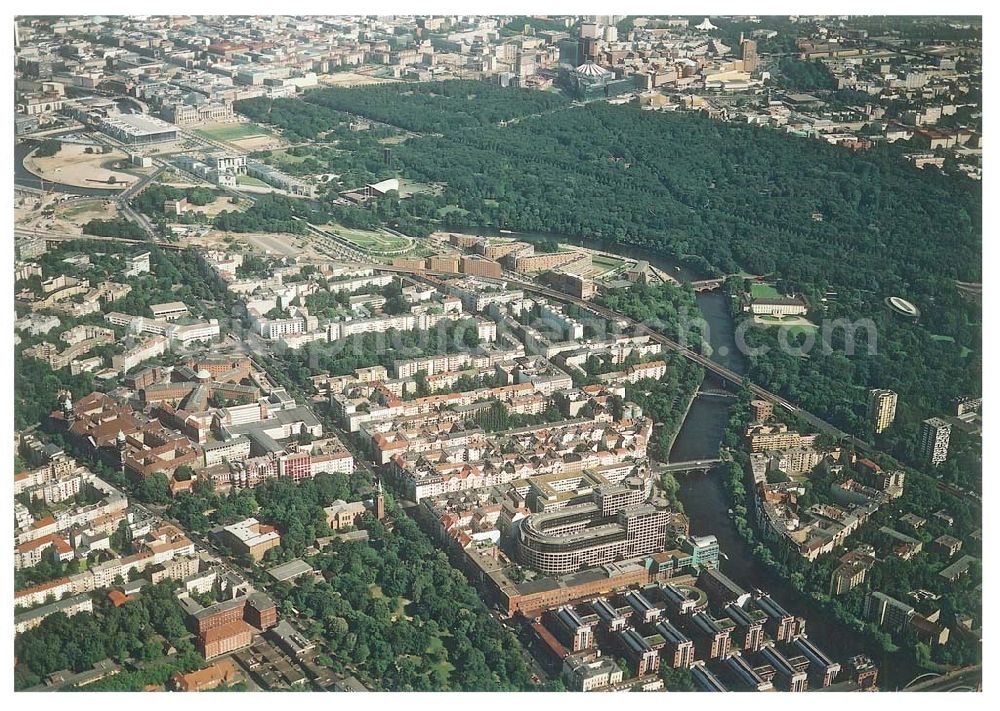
(691, 466)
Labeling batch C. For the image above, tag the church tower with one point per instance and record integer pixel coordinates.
(380, 502)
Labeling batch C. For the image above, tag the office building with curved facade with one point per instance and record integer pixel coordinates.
(615, 527)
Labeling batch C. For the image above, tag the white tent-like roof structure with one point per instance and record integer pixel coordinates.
(591, 71)
(705, 25)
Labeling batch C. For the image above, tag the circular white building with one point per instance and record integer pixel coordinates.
(902, 307)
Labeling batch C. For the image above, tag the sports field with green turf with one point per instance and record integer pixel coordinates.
(606, 264)
(232, 131)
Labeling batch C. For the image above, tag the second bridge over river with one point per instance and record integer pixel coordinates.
(701, 465)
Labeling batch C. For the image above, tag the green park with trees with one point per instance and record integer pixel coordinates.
(727, 197)
(393, 610)
(141, 631)
(116, 227)
(664, 308)
(803, 75)
(722, 197)
(150, 201)
(437, 107)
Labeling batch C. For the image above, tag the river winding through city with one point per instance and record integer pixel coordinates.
(704, 497)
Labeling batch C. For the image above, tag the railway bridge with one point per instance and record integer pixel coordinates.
(700, 465)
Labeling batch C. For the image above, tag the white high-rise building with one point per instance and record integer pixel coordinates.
(881, 409)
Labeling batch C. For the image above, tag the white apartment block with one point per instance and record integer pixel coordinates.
(136, 265)
(360, 282)
(188, 333)
(169, 311)
(69, 606)
(234, 450)
(175, 332)
(276, 328)
(335, 463)
(150, 348)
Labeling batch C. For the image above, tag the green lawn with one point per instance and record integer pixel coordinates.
(285, 161)
(82, 206)
(233, 131)
(764, 291)
(792, 324)
(286, 157)
(401, 602)
(448, 209)
(447, 666)
(409, 187)
(249, 180)
(435, 647)
(607, 264)
(371, 240)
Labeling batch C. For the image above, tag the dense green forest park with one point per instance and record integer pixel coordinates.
(844, 229)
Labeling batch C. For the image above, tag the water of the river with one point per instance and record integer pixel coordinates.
(703, 495)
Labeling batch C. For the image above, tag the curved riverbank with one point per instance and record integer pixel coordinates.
(78, 169)
(704, 497)
(24, 177)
